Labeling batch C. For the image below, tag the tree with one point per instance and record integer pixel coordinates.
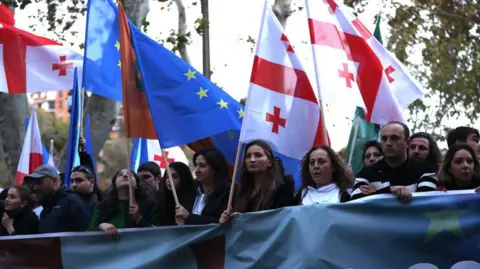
(13, 112)
(448, 35)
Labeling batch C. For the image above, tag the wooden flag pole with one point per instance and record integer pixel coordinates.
(131, 182)
(322, 118)
(354, 141)
(169, 177)
(232, 185)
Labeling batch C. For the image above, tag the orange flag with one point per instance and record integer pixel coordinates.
(136, 111)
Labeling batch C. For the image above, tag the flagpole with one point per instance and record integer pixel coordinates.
(169, 176)
(82, 98)
(232, 185)
(131, 182)
(322, 118)
(354, 140)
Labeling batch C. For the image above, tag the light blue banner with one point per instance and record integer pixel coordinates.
(433, 232)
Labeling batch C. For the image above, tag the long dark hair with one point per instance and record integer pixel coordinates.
(142, 191)
(341, 175)
(267, 190)
(217, 162)
(186, 192)
(446, 178)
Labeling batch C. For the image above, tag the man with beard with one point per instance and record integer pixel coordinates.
(63, 210)
(396, 173)
(422, 146)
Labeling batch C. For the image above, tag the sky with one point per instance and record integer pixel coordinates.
(231, 56)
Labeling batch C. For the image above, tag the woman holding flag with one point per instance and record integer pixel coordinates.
(262, 187)
(211, 199)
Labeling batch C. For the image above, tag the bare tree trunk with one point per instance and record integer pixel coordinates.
(283, 10)
(182, 30)
(103, 112)
(13, 112)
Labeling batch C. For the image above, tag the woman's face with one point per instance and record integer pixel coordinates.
(462, 166)
(203, 172)
(372, 155)
(122, 178)
(175, 179)
(13, 201)
(257, 160)
(320, 167)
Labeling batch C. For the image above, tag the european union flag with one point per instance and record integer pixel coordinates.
(185, 105)
(101, 68)
(73, 158)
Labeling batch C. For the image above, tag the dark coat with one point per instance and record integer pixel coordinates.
(216, 203)
(24, 222)
(64, 212)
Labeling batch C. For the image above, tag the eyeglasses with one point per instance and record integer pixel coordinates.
(83, 169)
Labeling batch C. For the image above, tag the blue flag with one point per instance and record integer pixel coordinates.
(89, 146)
(101, 67)
(73, 158)
(185, 105)
(434, 232)
(139, 153)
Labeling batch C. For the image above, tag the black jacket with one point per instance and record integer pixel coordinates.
(167, 204)
(216, 203)
(24, 222)
(64, 212)
(92, 200)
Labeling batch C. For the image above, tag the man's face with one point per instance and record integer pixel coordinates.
(393, 141)
(43, 188)
(80, 183)
(149, 178)
(419, 148)
(474, 141)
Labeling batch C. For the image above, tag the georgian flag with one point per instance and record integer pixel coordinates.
(30, 63)
(32, 151)
(350, 62)
(148, 150)
(281, 104)
(6, 15)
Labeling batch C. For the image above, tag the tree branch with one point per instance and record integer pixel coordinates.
(182, 31)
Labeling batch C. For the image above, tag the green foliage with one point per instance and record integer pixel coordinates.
(178, 42)
(448, 35)
(200, 25)
(52, 128)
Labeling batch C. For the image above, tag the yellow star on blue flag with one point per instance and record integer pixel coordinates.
(182, 97)
(447, 220)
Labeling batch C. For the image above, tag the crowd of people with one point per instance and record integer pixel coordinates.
(399, 164)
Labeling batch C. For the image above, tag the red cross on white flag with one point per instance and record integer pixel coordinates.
(281, 104)
(30, 63)
(174, 154)
(351, 63)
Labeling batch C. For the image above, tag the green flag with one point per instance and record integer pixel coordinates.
(366, 131)
(377, 34)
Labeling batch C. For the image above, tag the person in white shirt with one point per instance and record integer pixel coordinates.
(325, 178)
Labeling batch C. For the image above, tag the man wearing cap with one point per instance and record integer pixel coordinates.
(63, 210)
